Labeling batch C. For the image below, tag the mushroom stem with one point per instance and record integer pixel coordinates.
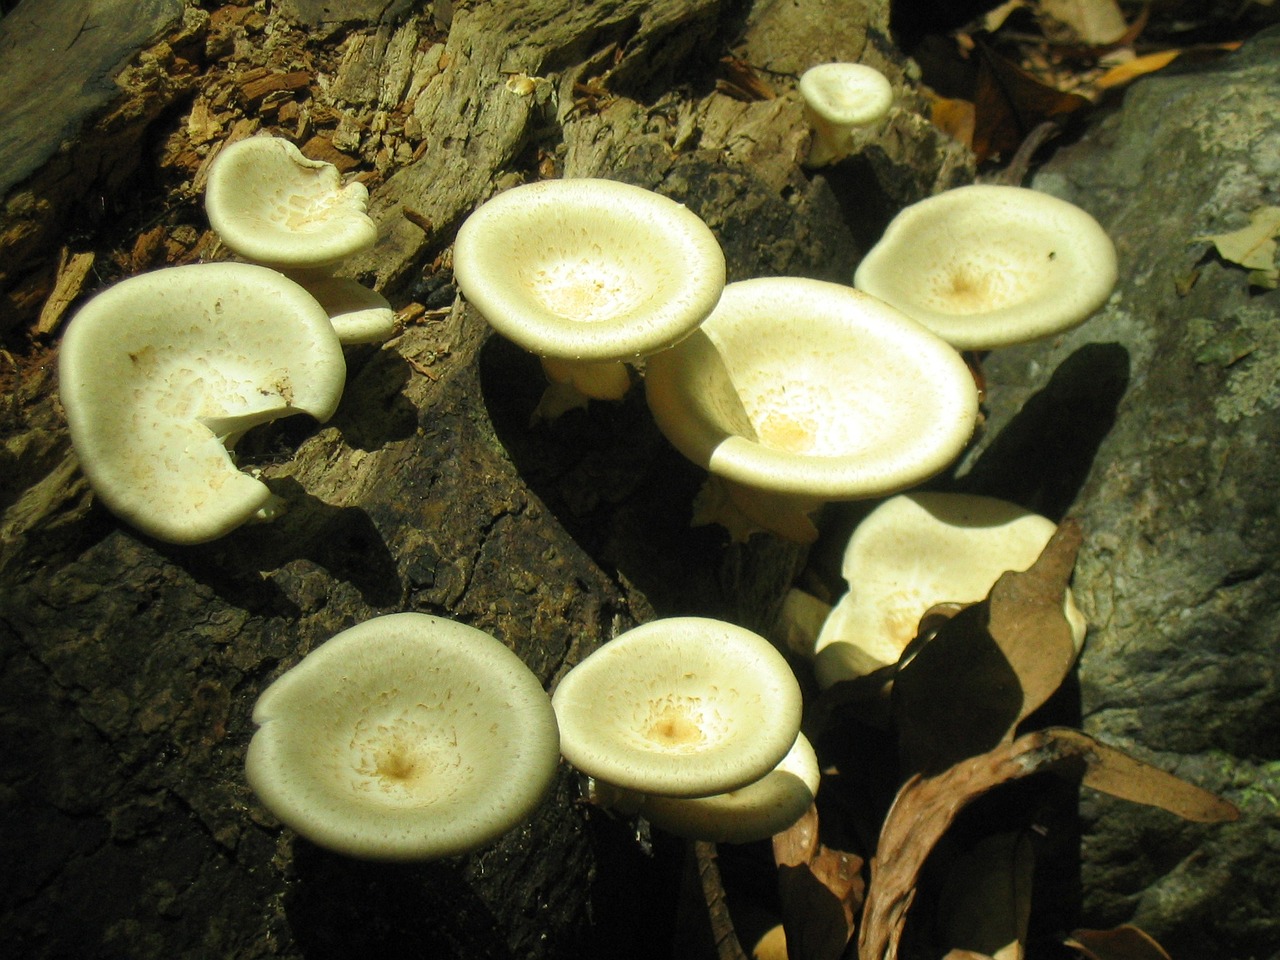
(744, 510)
(573, 383)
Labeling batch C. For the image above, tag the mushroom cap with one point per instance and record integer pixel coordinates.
(272, 205)
(588, 269)
(846, 94)
(986, 266)
(161, 372)
(405, 737)
(754, 812)
(358, 314)
(915, 551)
(814, 389)
(684, 706)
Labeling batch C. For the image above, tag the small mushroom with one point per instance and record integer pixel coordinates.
(915, 551)
(683, 706)
(754, 812)
(273, 206)
(801, 391)
(162, 373)
(406, 737)
(588, 274)
(986, 266)
(839, 99)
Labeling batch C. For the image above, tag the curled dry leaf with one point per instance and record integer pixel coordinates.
(821, 891)
(992, 663)
(926, 806)
(1125, 942)
(985, 905)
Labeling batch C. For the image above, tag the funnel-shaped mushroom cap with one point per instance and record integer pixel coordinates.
(272, 205)
(684, 707)
(406, 737)
(986, 266)
(913, 552)
(588, 269)
(160, 373)
(754, 812)
(813, 389)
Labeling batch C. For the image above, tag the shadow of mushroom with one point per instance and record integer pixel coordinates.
(1041, 458)
(624, 493)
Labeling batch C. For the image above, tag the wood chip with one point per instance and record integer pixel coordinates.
(322, 148)
(73, 270)
(255, 90)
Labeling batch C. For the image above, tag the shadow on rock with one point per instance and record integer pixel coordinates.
(1043, 456)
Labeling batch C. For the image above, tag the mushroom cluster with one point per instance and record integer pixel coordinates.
(162, 373)
(695, 724)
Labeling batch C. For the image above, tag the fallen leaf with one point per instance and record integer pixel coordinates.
(1125, 942)
(1009, 103)
(1252, 247)
(1110, 770)
(985, 904)
(992, 664)
(821, 891)
(926, 806)
(1126, 73)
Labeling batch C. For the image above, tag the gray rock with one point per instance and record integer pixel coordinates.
(1156, 423)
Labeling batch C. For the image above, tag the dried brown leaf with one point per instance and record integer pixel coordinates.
(1125, 942)
(926, 806)
(1009, 103)
(985, 903)
(992, 663)
(821, 891)
(1110, 770)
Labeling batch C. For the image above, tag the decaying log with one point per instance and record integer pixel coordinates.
(130, 667)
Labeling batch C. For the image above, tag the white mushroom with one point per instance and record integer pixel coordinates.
(273, 206)
(684, 706)
(588, 274)
(754, 812)
(915, 551)
(358, 314)
(811, 391)
(986, 266)
(839, 99)
(163, 372)
(406, 737)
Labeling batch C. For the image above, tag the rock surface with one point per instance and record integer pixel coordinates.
(1157, 423)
